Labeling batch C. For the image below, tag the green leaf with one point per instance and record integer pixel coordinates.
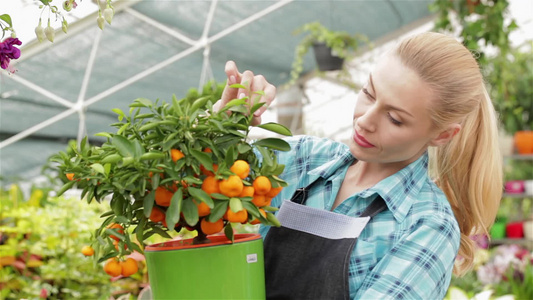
(203, 158)
(119, 112)
(252, 209)
(199, 103)
(218, 124)
(231, 155)
(235, 204)
(218, 211)
(155, 180)
(238, 86)
(143, 102)
(168, 122)
(65, 187)
(6, 18)
(139, 230)
(235, 102)
(144, 116)
(152, 155)
(104, 134)
(219, 196)
(83, 145)
(274, 143)
(161, 232)
(112, 158)
(107, 213)
(190, 212)
(279, 169)
(228, 231)
(127, 161)
(257, 106)
(123, 145)
(201, 195)
(114, 232)
(273, 220)
(267, 160)
(98, 168)
(121, 220)
(270, 208)
(277, 128)
(123, 128)
(174, 210)
(280, 181)
(176, 106)
(148, 126)
(109, 255)
(148, 203)
(138, 149)
(243, 148)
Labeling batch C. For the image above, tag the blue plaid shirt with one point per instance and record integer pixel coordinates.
(405, 252)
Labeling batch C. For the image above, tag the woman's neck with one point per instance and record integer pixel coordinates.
(367, 174)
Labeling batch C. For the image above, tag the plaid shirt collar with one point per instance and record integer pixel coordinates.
(399, 190)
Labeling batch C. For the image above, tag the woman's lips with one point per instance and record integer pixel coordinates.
(361, 141)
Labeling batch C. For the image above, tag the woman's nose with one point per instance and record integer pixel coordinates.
(366, 119)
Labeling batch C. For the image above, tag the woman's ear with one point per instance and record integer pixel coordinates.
(445, 136)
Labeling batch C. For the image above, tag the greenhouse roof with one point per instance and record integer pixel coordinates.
(154, 49)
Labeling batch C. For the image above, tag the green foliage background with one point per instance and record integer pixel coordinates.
(485, 28)
(45, 235)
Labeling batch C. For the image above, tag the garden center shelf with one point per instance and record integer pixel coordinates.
(515, 195)
(522, 242)
(520, 156)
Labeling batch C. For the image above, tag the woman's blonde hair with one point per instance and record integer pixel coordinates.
(468, 168)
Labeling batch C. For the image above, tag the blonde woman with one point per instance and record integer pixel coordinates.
(389, 215)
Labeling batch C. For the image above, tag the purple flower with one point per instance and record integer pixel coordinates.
(481, 240)
(8, 51)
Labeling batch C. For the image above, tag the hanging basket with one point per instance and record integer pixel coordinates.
(220, 269)
(325, 59)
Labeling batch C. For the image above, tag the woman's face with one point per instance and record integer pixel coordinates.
(391, 121)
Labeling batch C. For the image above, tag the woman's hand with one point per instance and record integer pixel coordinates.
(253, 83)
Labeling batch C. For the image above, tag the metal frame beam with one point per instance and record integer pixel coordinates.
(202, 43)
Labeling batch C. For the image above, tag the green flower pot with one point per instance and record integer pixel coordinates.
(217, 270)
(497, 230)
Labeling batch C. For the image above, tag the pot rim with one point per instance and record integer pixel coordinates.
(216, 240)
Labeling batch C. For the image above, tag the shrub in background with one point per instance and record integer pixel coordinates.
(40, 243)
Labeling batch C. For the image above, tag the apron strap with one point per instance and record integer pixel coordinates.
(300, 195)
(377, 206)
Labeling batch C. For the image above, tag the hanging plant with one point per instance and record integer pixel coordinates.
(329, 45)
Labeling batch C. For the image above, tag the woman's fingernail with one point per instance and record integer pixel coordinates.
(242, 95)
(257, 113)
(232, 80)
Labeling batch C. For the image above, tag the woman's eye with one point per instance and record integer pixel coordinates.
(366, 92)
(394, 121)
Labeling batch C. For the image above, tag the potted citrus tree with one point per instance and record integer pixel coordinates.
(175, 165)
(331, 48)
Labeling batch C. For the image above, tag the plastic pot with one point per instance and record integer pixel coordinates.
(515, 186)
(515, 230)
(528, 229)
(524, 141)
(497, 231)
(217, 270)
(326, 60)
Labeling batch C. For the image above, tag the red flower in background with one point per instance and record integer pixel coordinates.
(8, 51)
(43, 294)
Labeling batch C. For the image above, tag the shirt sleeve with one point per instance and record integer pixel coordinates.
(419, 266)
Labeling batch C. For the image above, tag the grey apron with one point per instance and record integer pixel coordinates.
(309, 255)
